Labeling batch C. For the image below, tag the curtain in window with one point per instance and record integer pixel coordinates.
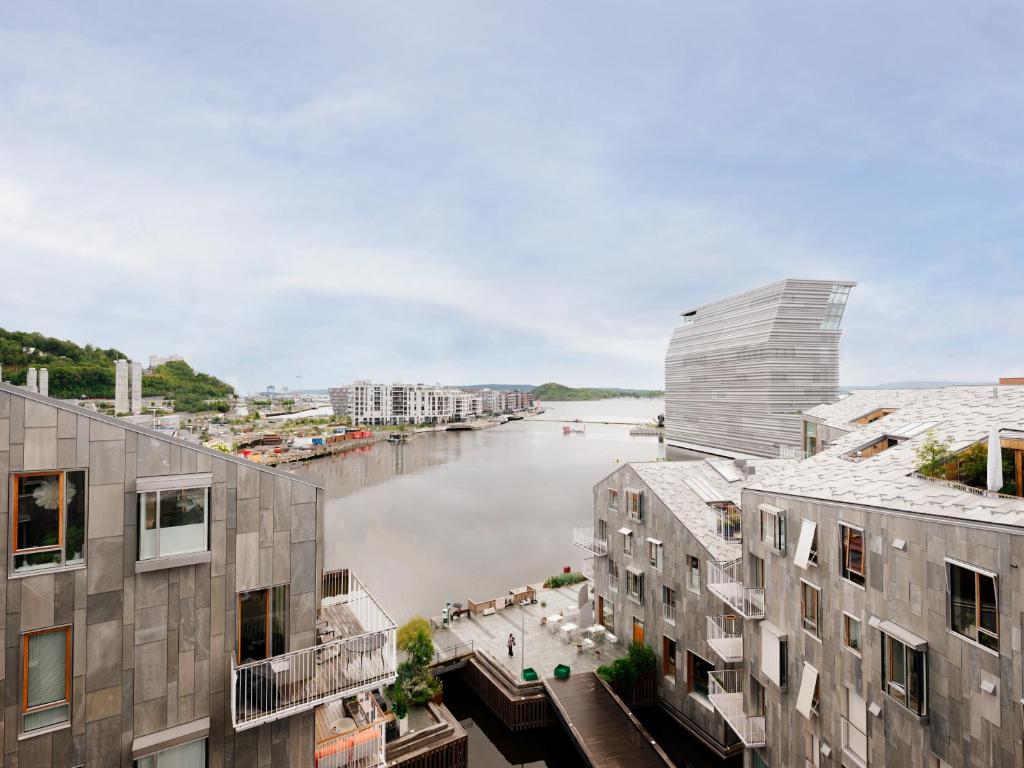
(47, 678)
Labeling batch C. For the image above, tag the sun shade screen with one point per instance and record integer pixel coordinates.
(46, 668)
(803, 546)
(808, 683)
(770, 653)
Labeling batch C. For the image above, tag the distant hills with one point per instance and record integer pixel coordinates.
(553, 391)
(88, 371)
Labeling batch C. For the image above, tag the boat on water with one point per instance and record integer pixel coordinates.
(513, 417)
(399, 437)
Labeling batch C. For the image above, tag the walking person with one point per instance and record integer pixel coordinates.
(511, 642)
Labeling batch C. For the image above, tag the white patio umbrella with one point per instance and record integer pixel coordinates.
(995, 461)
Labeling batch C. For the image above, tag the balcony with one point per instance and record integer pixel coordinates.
(725, 692)
(725, 636)
(725, 581)
(727, 520)
(585, 539)
(351, 734)
(355, 653)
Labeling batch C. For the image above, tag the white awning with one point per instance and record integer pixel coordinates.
(803, 547)
(654, 541)
(771, 509)
(905, 636)
(634, 571)
(626, 531)
(805, 699)
(174, 482)
(771, 651)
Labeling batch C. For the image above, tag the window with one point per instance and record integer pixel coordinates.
(807, 545)
(757, 703)
(810, 608)
(45, 679)
(851, 633)
(262, 623)
(697, 671)
(48, 520)
(191, 755)
(668, 658)
(638, 631)
(810, 438)
(773, 527)
(810, 749)
(837, 299)
(728, 520)
(875, 447)
(634, 505)
(851, 543)
(668, 603)
(635, 585)
(756, 572)
(774, 654)
(602, 530)
(606, 614)
(973, 604)
(693, 575)
(854, 722)
(627, 541)
(613, 575)
(613, 498)
(173, 522)
(904, 674)
(808, 697)
(655, 554)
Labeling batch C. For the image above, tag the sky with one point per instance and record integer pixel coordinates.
(494, 192)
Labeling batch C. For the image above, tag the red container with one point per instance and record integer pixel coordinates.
(246, 452)
(277, 450)
(567, 569)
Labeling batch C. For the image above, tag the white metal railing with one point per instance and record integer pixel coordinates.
(588, 567)
(792, 452)
(725, 691)
(958, 486)
(357, 748)
(725, 580)
(451, 652)
(725, 637)
(334, 583)
(855, 743)
(358, 655)
(668, 612)
(584, 538)
(727, 521)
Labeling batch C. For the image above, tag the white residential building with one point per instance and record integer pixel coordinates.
(121, 387)
(136, 389)
(366, 402)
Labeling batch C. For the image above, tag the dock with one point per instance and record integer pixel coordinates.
(605, 731)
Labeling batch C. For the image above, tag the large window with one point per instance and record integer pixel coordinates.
(45, 678)
(668, 658)
(851, 544)
(697, 671)
(973, 604)
(262, 623)
(837, 298)
(173, 522)
(191, 755)
(810, 608)
(904, 674)
(48, 520)
(854, 722)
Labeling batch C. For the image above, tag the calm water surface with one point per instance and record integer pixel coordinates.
(471, 514)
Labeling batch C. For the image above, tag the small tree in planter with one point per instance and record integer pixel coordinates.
(416, 684)
(625, 674)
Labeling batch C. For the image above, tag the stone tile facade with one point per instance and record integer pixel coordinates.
(151, 650)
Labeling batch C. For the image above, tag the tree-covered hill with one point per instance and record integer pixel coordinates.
(88, 371)
(553, 391)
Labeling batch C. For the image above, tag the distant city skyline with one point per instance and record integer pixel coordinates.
(498, 193)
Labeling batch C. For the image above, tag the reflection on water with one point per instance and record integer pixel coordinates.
(470, 514)
(682, 748)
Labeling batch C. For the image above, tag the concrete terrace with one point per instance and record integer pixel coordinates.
(544, 649)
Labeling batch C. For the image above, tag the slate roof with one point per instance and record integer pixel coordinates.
(861, 402)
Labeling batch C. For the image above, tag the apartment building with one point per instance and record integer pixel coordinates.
(886, 592)
(739, 371)
(658, 528)
(389, 404)
(166, 605)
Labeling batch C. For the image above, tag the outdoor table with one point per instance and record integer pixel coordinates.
(595, 631)
(611, 639)
(554, 620)
(567, 630)
(588, 644)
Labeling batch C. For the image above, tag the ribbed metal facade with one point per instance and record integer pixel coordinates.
(739, 371)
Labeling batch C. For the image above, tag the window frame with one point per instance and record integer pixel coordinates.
(690, 677)
(668, 660)
(980, 631)
(668, 603)
(656, 554)
(636, 596)
(269, 640)
(904, 688)
(23, 708)
(614, 574)
(775, 520)
(847, 619)
(613, 499)
(627, 544)
(62, 523)
(635, 511)
(815, 630)
(155, 756)
(139, 532)
(845, 572)
(693, 571)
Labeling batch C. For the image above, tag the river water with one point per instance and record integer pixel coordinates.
(453, 515)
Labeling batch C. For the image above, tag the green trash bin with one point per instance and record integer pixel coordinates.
(562, 671)
(529, 674)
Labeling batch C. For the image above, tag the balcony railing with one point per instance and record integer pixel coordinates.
(362, 744)
(668, 612)
(727, 521)
(726, 582)
(726, 695)
(584, 538)
(725, 636)
(855, 743)
(356, 653)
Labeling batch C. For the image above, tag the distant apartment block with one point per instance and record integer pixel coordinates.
(127, 387)
(367, 402)
(166, 605)
(739, 371)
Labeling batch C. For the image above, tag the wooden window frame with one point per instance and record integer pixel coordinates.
(668, 666)
(979, 574)
(690, 571)
(814, 632)
(635, 511)
(61, 475)
(847, 618)
(846, 572)
(690, 676)
(268, 620)
(613, 498)
(66, 701)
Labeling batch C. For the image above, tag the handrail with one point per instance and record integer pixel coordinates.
(958, 486)
(725, 691)
(724, 580)
(584, 538)
(453, 651)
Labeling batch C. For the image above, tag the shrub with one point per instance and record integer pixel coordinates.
(625, 672)
(932, 455)
(564, 580)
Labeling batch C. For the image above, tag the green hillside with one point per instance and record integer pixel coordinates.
(553, 391)
(88, 371)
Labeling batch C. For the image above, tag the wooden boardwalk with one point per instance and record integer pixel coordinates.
(606, 733)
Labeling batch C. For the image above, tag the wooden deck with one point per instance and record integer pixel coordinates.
(605, 732)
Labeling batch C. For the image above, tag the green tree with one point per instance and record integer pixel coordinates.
(932, 455)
